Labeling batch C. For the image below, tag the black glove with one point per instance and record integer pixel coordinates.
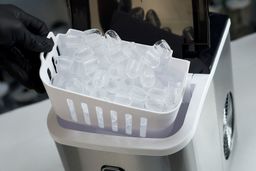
(22, 38)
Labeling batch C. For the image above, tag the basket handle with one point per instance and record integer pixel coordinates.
(43, 55)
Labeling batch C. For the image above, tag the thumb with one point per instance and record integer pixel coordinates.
(33, 42)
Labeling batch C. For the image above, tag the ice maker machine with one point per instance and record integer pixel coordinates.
(203, 134)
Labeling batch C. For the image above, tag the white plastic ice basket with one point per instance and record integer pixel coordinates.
(100, 114)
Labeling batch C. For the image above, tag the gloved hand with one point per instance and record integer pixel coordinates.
(22, 38)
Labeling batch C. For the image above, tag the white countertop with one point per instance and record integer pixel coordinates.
(26, 145)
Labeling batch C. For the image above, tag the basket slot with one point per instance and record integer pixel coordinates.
(86, 113)
(128, 124)
(92, 114)
(79, 111)
(143, 126)
(100, 117)
(107, 118)
(58, 50)
(135, 123)
(54, 65)
(49, 66)
(72, 110)
(114, 121)
(49, 74)
(45, 55)
(121, 122)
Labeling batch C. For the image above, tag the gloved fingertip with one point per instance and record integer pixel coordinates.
(44, 31)
(49, 45)
(46, 45)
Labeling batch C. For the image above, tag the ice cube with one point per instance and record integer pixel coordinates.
(84, 53)
(68, 45)
(160, 54)
(152, 58)
(167, 73)
(122, 99)
(156, 100)
(163, 48)
(76, 33)
(174, 92)
(100, 52)
(98, 93)
(63, 64)
(74, 84)
(103, 62)
(59, 80)
(77, 67)
(100, 79)
(116, 71)
(132, 82)
(137, 93)
(118, 87)
(94, 41)
(133, 56)
(93, 38)
(165, 53)
(84, 67)
(134, 68)
(112, 87)
(90, 66)
(128, 46)
(92, 31)
(138, 96)
(147, 79)
(113, 42)
(112, 36)
(117, 57)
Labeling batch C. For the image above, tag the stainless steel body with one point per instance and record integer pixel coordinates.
(206, 150)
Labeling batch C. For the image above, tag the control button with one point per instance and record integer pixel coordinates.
(111, 168)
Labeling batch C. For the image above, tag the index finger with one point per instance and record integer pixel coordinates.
(34, 24)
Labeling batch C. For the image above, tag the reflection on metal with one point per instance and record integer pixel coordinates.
(201, 24)
(79, 12)
(228, 125)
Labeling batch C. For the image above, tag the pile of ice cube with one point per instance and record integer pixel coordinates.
(105, 67)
